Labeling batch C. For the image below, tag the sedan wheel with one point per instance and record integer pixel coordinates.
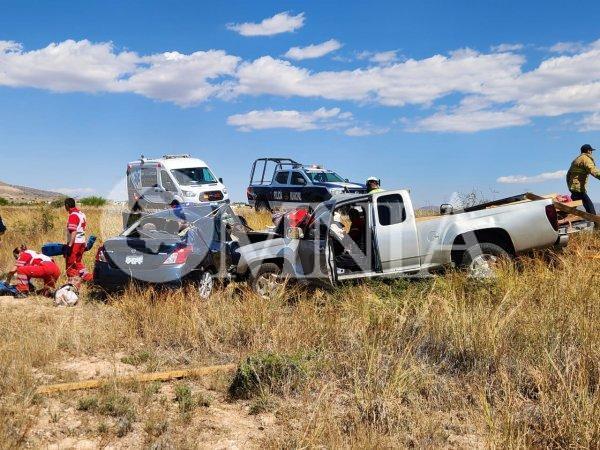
(205, 285)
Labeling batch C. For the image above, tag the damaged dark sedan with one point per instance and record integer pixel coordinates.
(176, 247)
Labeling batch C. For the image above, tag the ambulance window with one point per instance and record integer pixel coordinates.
(149, 177)
(282, 177)
(167, 182)
(298, 179)
(390, 209)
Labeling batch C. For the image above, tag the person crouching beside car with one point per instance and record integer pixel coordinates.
(76, 223)
(29, 265)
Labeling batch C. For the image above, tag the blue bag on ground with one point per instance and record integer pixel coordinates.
(7, 289)
(90, 243)
(53, 249)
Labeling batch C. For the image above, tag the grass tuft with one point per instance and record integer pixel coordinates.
(267, 372)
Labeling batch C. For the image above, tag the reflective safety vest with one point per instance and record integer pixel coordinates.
(31, 258)
(77, 223)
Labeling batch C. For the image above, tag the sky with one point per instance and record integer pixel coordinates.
(436, 96)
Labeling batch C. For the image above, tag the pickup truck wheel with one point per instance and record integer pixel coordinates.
(480, 259)
(205, 285)
(262, 205)
(267, 280)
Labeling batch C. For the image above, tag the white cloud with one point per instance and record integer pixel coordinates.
(590, 123)
(83, 66)
(379, 57)
(408, 82)
(384, 57)
(360, 131)
(567, 47)
(542, 177)
(314, 50)
(322, 118)
(66, 66)
(279, 23)
(182, 79)
(502, 48)
(469, 121)
(493, 89)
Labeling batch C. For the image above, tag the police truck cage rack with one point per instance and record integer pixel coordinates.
(280, 163)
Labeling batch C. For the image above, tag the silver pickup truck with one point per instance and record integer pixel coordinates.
(355, 236)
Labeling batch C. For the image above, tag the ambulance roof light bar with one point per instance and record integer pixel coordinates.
(186, 155)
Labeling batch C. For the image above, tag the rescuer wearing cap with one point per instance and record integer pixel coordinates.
(577, 176)
(373, 184)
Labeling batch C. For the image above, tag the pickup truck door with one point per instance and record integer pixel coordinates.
(396, 232)
(314, 252)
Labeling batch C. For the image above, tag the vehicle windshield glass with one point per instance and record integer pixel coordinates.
(325, 177)
(193, 176)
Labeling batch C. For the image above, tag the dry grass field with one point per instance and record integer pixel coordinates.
(443, 362)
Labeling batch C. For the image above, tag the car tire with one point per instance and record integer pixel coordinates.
(206, 285)
(479, 259)
(267, 280)
(262, 205)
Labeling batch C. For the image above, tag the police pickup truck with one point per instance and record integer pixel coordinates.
(282, 183)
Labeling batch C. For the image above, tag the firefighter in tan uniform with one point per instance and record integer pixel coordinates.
(577, 176)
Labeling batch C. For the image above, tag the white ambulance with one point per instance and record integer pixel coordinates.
(155, 183)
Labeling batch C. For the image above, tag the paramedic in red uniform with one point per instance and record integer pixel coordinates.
(76, 224)
(30, 265)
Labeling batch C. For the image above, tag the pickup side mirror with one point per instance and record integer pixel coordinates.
(295, 233)
(221, 180)
(346, 180)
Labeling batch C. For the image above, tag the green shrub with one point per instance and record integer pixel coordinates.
(4, 202)
(58, 203)
(267, 372)
(137, 358)
(183, 396)
(93, 201)
(116, 405)
(87, 403)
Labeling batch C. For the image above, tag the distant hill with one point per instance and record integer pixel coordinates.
(17, 193)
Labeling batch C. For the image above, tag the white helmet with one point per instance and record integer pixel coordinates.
(373, 179)
(66, 295)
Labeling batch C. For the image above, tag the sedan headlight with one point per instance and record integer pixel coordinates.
(189, 193)
(335, 191)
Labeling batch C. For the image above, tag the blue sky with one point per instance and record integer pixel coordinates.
(436, 96)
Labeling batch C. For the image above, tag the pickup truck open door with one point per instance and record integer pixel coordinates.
(396, 232)
(314, 252)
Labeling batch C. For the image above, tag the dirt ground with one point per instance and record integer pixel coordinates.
(62, 421)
